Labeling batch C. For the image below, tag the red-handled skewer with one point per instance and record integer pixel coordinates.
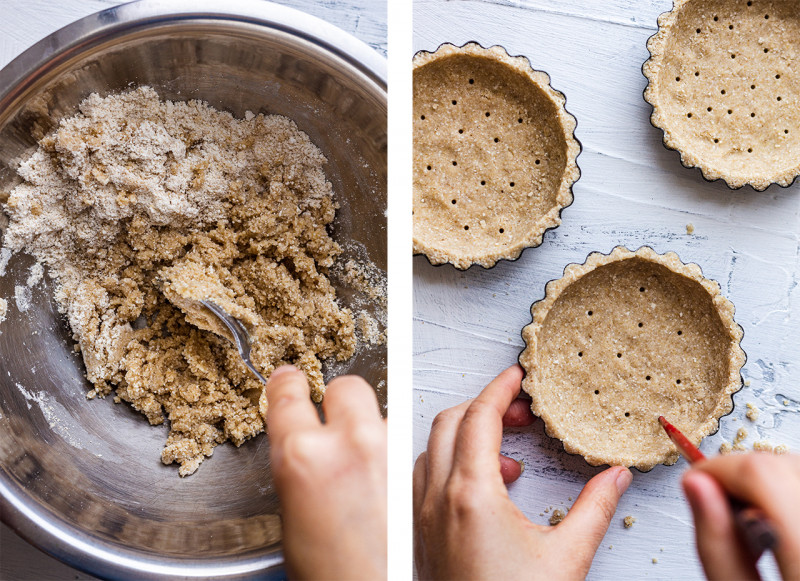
(685, 447)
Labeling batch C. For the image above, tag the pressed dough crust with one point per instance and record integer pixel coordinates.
(725, 88)
(624, 338)
(494, 155)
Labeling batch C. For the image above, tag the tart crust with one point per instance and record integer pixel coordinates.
(624, 338)
(725, 91)
(494, 155)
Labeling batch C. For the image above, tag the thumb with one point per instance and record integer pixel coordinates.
(589, 517)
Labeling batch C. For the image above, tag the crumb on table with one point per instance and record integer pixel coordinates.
(762, 446)
(752, 412)
(628, 521)
(557, 516)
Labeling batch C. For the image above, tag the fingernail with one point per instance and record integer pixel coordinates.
(282, 370)
(623, 481)
(521, 466)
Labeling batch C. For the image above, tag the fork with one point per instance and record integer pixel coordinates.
(240, 335)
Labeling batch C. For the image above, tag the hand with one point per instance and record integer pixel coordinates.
(770, 483)
(330, 478)
(466, 526)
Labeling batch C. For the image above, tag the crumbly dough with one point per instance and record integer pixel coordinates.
(135, 202)
(557, 516)
(494, 155)
(628, 521)
(724, 90)
(622, 339)
(752, 412)
(741, 436)
(762, 446)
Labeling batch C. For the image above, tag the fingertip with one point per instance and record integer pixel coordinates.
(623, 479)
(597, 503)
(706, 498)
(696, 486)
(510, 469)
(518, 414)
(350, 399)
(280, 374)
(288, 406)
(515, 372)
(283, 370)
(350, 381)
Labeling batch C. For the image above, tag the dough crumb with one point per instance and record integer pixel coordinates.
(370, 332)
(762, 446)
(752, 412)
(655, 561)
(628, 521)
(786, 402)
(725, 448)
(690, 228)
(741, 436)
(747, 383)
(557, 516)
(780, 449)
(3, 309)
(739, 447)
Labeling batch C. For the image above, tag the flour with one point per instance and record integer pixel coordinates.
(35, 275)
(22, 296)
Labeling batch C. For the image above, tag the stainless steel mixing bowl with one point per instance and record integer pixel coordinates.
(82, 479)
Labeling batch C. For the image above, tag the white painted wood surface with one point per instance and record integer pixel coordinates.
(632, 192)
(24, 23)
